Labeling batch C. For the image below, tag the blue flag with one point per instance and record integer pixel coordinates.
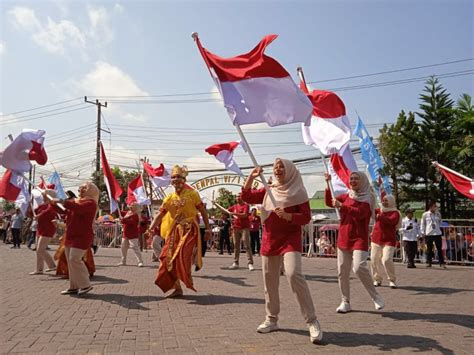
(58, 187)
(371, 156)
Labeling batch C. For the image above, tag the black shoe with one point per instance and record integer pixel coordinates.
(221, 253)
(94, 248)
(429, 265)
(410, 266)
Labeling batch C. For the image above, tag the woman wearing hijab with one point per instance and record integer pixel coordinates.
(384, 240)
(356, 209)
(131, 233)
(281, 241)
(79, 236)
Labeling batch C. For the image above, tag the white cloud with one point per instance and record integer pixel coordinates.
(118, 8)
(24, 18)
(100, 26)
(55, 36)
(2, 47)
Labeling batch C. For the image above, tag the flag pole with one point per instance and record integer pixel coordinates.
(323, 158)
(195, 36)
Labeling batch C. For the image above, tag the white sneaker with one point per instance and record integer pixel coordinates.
(315, 332)
(36, 273)
(251, 268)
(122, 263)
(234, 266)
(392, 284)
(379, 302)
(344, 307)
(377, 283)
(267, 327)
(140, 264)
(51, 269)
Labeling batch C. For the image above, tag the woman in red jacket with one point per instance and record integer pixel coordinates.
(384, 240)
(80, 235)
(131, 233)
(45, 214)
(356, 209)
(281, 241)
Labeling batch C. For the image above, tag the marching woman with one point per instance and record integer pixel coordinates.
(356, 209)
(384, 240)
(79, 236)
(45, 214)
(131, 234)
(281, 242)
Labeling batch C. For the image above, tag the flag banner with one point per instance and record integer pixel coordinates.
(461, 183)
(371, 156)
(160, 176)
(37, 198)
(136, 192)
(24, 148)
(340, 167)
(113, 187)
(256, 88)
(14, 188)
(224, 153)
(54, 183)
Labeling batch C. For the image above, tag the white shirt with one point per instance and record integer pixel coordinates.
(431, 223)
(34, 225)
(410, 229)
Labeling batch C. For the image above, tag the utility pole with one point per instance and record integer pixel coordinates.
(99, 129)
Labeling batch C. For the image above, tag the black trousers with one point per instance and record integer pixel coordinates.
(255, 242)
(224, 239)
(202, 231)
(3, 235)
(16, 237)
(436, 239)
(410, 250)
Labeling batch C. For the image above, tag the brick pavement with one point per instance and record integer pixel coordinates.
(432, 311)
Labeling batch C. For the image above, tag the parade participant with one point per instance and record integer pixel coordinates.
(224, 234)
(384, 240)
(356, 209)
(143, 226)
(180, 229)
(80, 217)
(410, 232)
(130, 223)
(431, 230)
(45, 215)
(281, 241)
(156, 244)
(255, 223)
(241, 230)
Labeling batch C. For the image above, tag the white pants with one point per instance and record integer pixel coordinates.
(134, 244)
(78, 274)
(156, 244)
(357, 261)
(271, 279)
(381, 257)
(42, 254)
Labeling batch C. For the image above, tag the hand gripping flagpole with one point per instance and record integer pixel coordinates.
(246, 146)
(323, 158)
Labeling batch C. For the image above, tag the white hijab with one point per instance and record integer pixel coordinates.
(365, 192)
(392, 206)
(289, 193)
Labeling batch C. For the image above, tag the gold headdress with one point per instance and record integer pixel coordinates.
(179, 170)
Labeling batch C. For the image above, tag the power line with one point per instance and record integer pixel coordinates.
(40, 107)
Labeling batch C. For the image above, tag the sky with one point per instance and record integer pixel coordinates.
(139, 57)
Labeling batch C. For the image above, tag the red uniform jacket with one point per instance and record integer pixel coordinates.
(130, 226)
(385, 228)
(79, 220)
(45, 214)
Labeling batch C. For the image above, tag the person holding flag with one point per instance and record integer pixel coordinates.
(179, 227)
(130, 225)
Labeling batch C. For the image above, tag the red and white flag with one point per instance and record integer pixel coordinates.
(160, 176)
(113, 187)
(224, 153)
(340, 167)
(256, 88)
(24, 148)
(136, 192)
(13, 187)
(330, 129)
(461, 183)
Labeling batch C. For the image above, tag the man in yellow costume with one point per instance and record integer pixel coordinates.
(178, 217)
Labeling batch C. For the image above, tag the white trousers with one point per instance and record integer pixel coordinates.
(42, 255)
(78, 274)
(381, 258)
(156, 244)
(134, 244)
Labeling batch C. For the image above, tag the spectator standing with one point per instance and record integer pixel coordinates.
(224, 234)
(431, 231)
(4, 227)
(32, 236)
(16, 225)
(410, 233)
(255, 224)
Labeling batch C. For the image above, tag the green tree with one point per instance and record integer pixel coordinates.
(225, 198)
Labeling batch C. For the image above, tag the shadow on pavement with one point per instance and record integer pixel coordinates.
(240, 281)
(321, 278)
(212, 300)
(125, 301)
(101, 279)
(422, 290)
(462, 320)
(383, 342)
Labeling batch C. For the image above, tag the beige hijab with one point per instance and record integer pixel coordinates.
(92, 193)
(289, 193)
(392, 206)
(365, 193)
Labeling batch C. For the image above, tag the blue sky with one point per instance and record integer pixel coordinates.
(52, 51)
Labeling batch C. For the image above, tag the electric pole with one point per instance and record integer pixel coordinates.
(99, 129)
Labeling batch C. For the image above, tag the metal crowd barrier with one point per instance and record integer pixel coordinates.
(108, 235)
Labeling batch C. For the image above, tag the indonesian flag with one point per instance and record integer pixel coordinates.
(42, 184)
(340, 167)
(27, 146)
(461, 183)
(224, 153)
(13, 187)
(136, 192)
(256, 88)
(160, 176)
(113, 188)
(330, 129)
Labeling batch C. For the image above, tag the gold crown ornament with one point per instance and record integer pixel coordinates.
(179, 170)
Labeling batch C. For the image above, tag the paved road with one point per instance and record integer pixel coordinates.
(432, 311)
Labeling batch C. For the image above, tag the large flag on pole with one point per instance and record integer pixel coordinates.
(136, 192)
(256, 88)
(340, 166)
(24, 148)
(55, 182)
(13, 187)
(113, 187)
(224, 153)
(160, 176)
(461, 183)
(370, 155)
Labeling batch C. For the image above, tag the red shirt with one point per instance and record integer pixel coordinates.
(354, 225)
(130, 226)
(279, 235)
(240, 222)
(45, 215)
(254, 223)
(144, 223)
(79, 220)
(385, 228)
